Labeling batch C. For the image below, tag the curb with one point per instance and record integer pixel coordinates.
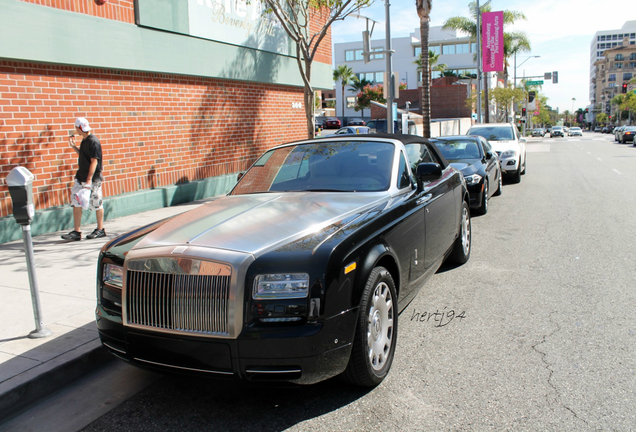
(39, 383)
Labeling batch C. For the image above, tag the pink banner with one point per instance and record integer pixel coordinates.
(492, 51)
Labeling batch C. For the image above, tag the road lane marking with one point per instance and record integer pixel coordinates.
(599, 159)
(617, 171)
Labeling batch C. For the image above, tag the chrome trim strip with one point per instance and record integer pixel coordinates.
(254, 371)
(185, 368)
(114, 349)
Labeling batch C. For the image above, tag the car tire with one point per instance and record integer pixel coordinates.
(499, 185)
(483, 208)
(524, 165)
(516, 177)
(376, 331)
(463, 242)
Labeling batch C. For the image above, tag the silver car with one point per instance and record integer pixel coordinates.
(509, 145)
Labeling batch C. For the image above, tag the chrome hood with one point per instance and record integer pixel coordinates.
(255, 224)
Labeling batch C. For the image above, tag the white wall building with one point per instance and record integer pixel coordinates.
(456, 52)
(603, 40)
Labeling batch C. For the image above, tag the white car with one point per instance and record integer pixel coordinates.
(574, 131)
(509, 145)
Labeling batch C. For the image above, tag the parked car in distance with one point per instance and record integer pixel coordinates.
(598, 129)
(627, 134)
(298, 274)
(352, 130)
(617, 132)
(557, 131)
(332, 123)
(356, 122)
(509, 145)
(538, 132)
(575, 131)
(478, 162)
(379, 126)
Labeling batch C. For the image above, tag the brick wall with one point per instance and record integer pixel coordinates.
(155, 129)
(118, 10)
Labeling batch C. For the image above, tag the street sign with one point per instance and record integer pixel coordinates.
(534, 82)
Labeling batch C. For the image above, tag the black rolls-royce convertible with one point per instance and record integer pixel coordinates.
(298, 274)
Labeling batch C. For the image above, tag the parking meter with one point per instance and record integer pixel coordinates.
(20, 182)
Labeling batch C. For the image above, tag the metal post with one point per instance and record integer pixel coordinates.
(389, 69)
(40, 331)
(478, 63)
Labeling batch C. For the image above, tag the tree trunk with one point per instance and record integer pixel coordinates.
(426, 78)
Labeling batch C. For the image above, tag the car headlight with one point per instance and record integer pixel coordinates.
(473, 179)
(113, 275)
(509, 153)
(281, 286)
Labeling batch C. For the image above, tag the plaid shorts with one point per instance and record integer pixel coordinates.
(95, 203)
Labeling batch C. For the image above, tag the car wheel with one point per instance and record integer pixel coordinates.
(499, 185)
(483, 208)
(376, 333)
(516, 177)
(524, 165)
(461, 249)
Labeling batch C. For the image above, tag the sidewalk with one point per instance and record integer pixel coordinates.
(30, 369)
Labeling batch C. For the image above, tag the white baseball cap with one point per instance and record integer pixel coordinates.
(82, 123)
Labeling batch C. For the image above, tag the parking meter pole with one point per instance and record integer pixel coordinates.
(40, 331)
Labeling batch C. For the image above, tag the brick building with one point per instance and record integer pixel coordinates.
(182, 95)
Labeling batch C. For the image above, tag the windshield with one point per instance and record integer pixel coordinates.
(492, 133)
(458, 149)
(325, 166)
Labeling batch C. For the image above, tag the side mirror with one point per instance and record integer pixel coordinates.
(489, 154)
(523, 140)
(427, 172)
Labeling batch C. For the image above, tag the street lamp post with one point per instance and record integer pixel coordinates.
(514, 111)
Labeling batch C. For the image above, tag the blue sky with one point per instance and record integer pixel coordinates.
(560, 31)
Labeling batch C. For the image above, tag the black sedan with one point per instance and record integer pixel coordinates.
(298, 274)
(477, 161)
(627, 134)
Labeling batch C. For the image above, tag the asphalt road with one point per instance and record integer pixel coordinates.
(536, 332)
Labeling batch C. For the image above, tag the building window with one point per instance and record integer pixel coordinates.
(619, 65)
(611, 77)
(619, 57)
(351, 101)
(627, 76)
(610, 85)
(463, 48)
(448, 49)
(632, 65)
(632, 56)
(417, 51)
(435, 49)
(377, 56)
(353, 55)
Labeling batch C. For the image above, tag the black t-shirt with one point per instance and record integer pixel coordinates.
(90, 148)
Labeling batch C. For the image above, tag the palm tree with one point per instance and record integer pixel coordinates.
(357, 85)
(424, 12)
(469, 26)
(432, 60)
(343, 73)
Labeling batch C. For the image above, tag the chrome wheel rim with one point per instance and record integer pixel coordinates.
(380, 326)
(465, 231)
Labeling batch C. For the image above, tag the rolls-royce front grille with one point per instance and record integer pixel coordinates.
(182, 303)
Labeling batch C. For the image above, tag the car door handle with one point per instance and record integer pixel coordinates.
(424, 199)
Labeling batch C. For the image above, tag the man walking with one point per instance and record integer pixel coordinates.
(88, 176)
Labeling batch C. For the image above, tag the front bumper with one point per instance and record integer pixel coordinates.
(303, 354)
(509, 165)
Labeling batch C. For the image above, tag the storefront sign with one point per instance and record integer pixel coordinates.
(237, 22)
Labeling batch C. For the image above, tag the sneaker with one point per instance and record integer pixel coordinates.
(73, 235)
(97, 234)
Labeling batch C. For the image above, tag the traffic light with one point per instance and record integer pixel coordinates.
(523, 112)
(587, 110)
(610, 117)
(624, 87)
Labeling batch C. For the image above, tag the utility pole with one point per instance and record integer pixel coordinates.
(389, 72)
